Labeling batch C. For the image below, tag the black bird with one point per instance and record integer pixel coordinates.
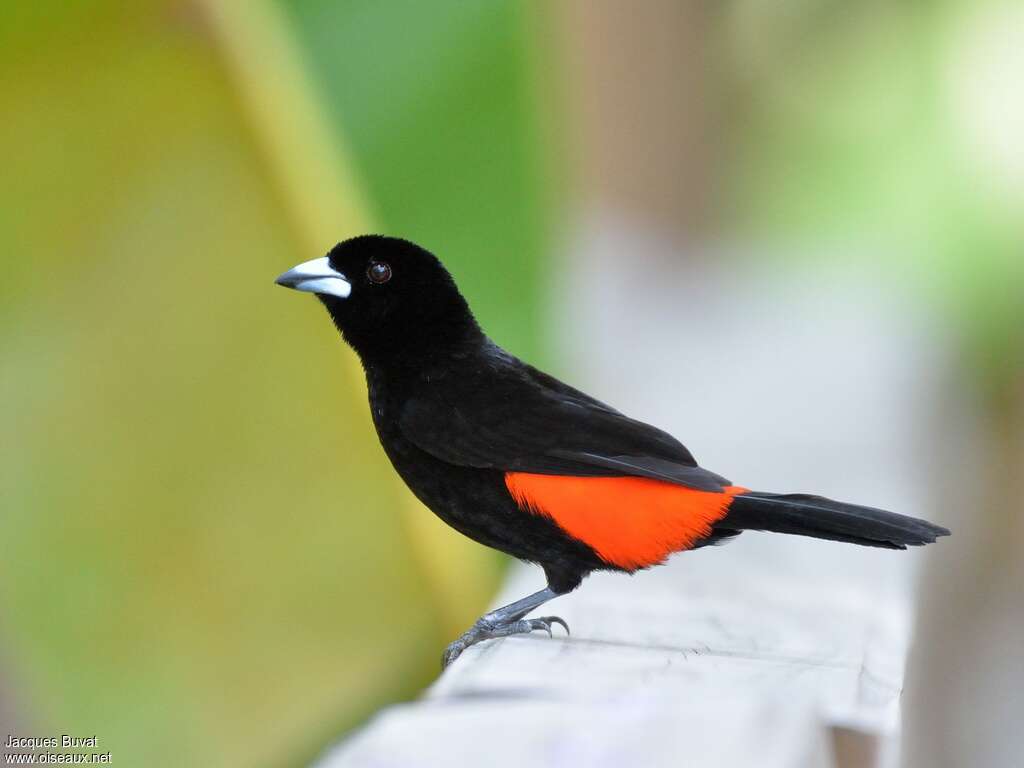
(518, 461)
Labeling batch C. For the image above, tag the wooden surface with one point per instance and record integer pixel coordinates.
(683, 661)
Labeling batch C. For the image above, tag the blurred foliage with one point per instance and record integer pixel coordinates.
(203, 560)
(887, 125)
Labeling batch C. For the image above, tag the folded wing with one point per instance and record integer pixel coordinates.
(511, 417)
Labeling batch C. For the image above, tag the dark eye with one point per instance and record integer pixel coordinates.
(378, 272)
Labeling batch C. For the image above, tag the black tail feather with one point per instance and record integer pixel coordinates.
(821, 518)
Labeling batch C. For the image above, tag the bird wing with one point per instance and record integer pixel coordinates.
(506, 415)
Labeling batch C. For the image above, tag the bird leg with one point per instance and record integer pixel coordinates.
(504, 621)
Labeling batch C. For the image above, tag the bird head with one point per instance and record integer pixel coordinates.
(389, 297)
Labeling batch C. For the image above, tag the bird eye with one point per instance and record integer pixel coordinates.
(378, 272)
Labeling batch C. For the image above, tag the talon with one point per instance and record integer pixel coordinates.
(495, 625)
(557, 620)
(452, 652)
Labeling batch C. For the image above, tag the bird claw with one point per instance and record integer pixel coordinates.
(486, 630)
(557, 620)
(451, 653)
(545, 623)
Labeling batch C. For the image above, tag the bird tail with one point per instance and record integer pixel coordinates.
(821, 518)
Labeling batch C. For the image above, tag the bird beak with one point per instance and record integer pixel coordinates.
(316, 276)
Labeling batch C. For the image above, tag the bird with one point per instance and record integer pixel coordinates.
(521, 462)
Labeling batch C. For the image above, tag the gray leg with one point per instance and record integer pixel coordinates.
(504, 621)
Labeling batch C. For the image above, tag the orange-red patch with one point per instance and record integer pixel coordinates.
(631, 522)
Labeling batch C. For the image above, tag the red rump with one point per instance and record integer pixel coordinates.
(631, 522)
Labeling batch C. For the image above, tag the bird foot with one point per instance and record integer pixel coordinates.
(484, 629)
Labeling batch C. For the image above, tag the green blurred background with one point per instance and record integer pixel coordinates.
(204, 556)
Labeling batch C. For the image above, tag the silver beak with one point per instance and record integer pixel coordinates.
(316, 276)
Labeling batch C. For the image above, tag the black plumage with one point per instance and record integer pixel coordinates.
(459, 418)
